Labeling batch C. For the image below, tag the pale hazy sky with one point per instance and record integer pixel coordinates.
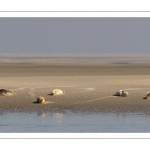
(75, 35)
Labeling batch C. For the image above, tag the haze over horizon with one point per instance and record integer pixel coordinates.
(75, 35)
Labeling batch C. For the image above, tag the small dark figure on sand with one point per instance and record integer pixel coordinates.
(4, 92)
(148, 96)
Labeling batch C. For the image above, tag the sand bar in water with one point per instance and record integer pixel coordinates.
(89, 82)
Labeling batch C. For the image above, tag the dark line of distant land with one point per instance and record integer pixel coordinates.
(74, 11)
(77, 138)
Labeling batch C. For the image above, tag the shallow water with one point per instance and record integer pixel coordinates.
(74, 122)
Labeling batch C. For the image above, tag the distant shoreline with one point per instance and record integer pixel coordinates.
(78, 59)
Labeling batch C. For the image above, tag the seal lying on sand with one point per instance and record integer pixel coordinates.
(118, 93)
(148, 96)
(41, 99)
(122, 93)
(4, 92)
(57, 92)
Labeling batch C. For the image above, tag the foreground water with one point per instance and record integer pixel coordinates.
(74, 122)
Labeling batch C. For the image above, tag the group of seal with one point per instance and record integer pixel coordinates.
(41, 99)
(125, 94)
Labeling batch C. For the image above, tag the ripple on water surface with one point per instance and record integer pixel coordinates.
(74, 122)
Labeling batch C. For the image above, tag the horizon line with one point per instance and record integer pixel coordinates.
(73, 54)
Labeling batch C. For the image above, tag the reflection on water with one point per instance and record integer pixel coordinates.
(42, 114)
(74, 122)
(57, 115)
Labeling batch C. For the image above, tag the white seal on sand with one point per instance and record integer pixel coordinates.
(4, 92)
(41, 99)
(122, 93)
(57, 92)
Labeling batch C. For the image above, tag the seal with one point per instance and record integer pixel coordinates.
(4, 92)
(57, 92)
(41, 99)
(148, 96)
(122, 93)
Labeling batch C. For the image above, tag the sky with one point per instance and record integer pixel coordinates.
(75, 35)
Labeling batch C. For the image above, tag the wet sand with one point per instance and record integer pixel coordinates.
(89, 82)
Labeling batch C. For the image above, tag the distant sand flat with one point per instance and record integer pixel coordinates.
(87, 86)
